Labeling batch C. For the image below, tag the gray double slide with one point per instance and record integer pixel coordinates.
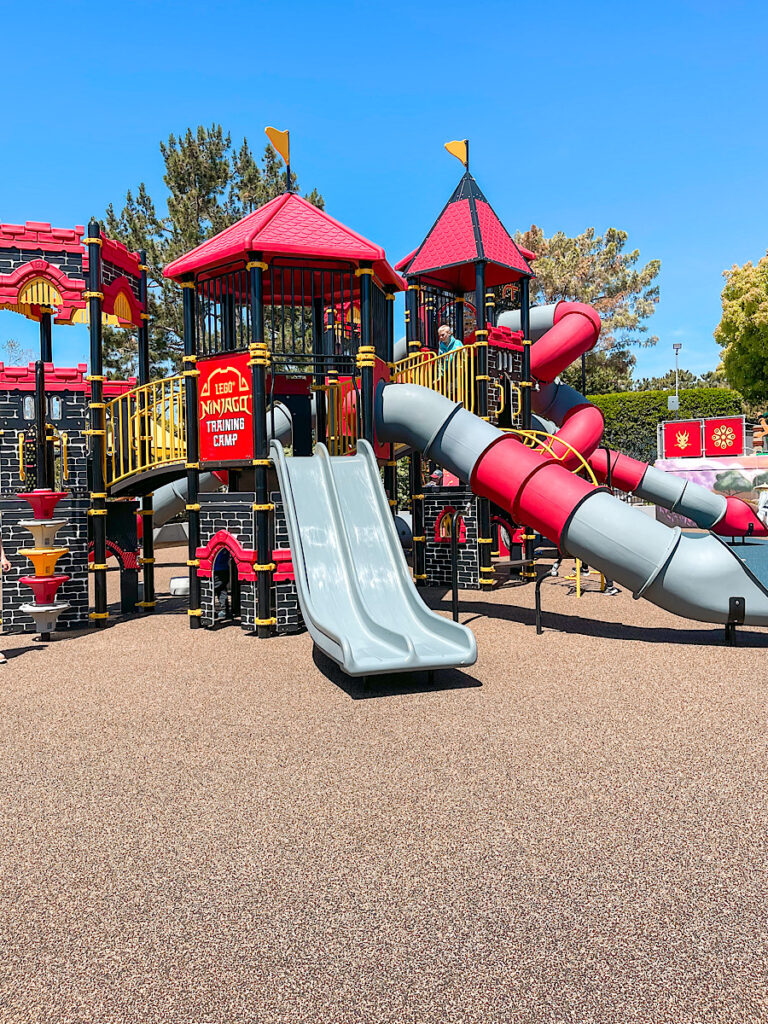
(359, 602)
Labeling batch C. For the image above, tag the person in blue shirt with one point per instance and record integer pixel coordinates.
(446, 340)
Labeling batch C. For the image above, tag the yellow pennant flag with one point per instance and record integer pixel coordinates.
(281, 142)
(460, 149)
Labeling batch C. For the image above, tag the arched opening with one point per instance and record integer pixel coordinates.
(443, 527)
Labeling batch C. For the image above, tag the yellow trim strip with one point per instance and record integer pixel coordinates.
(256, 265)
(265, 622)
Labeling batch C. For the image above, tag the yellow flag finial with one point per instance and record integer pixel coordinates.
(460, 149)
(281, 141)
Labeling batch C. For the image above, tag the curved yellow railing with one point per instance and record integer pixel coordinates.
(452, 375)
(542, 440)
(145, 429)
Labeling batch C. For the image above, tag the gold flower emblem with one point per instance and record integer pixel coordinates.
(723, 437)
(683, 439)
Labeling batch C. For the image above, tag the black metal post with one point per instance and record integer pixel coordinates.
(526, 386)
(390, 467)
(484, 540)
(148, 602)
(318, 377)
(417, 496)
(490, 309)
(456, 519)
(262, 508)
(42, 476)
(46, 345)
(191, 419)
(366, 355)
(459, 316)
(98, 432)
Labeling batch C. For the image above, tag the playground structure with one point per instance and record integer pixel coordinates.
(289, 342)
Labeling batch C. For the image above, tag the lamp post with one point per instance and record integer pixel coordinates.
(677, 346)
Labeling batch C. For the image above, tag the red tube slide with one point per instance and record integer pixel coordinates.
(576, 329)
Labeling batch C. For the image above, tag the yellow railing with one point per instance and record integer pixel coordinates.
(452, 374)
(545, 442)
(145, 429)
(342, 418)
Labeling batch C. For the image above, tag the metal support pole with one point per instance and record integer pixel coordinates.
(484, 539)
(390, 467)
(318, 376)
(148, 602)
(366, 353)
(259, 362)
(46, 345)
(526, 386)
(412, 318)
(98, 433)
(191, 417)
(42, 476)
(456, 519)
(417, 496)
(458, 306)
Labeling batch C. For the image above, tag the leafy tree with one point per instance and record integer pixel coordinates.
(743, 330)
(606, 371)
(210, 185)
(13, 353)
(595, 269)
(686, 379)
(732, 482)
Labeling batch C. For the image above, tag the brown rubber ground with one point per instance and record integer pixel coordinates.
(201, 827)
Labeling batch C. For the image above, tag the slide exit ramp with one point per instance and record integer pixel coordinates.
(359, 602)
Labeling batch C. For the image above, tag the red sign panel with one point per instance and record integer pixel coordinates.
(724, 436)
(226, 409)
(682, 439)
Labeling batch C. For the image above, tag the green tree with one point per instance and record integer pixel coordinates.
(210, 185)
(597, 270)
(743, 330)
(605, 371)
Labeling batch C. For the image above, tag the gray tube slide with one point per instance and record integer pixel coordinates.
(542, 319)
(694, 577)
(354, 586)
(171, 499)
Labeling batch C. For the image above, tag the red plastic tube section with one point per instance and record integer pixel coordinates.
(626, 473)
(582, 428)
(575, 330)
(738, 519)
(531, 486)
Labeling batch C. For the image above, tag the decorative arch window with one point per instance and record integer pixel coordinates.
(443, 527)
(54, 407)
(28, 408)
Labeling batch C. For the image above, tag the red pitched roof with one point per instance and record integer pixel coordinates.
(467, 231)
(286, 226)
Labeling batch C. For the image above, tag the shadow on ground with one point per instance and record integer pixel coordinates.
(394, 684)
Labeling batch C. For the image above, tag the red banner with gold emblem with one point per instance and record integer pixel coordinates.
(682, 439)
(226, 409)
(724, 436)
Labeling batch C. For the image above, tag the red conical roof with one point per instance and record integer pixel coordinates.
(468, 230)
(285, 226)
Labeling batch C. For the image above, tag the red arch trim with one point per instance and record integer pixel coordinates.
(244, 558)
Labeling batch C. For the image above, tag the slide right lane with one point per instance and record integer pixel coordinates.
(694, 577)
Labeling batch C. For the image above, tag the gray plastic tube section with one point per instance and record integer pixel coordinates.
(689, 576)
(400, 350)
(554, 401)
(542, 319)
(354, 586)
(170, 499)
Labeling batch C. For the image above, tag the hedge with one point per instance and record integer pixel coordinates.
(631, 417)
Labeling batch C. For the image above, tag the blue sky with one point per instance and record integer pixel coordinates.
(645, 117)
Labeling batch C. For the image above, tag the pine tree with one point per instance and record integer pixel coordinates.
(210, 186)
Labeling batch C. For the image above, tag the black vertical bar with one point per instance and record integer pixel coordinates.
(318, 379)
(485, 541)
(42, 477)
(366, 352)
(98, 510)
(189, 294)
(455, 520)
(412, 318)
(259, 362)
(46, 346)
(459, 315)
(147, 510)
(414, 479)
(390, 469)
(528, 571)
